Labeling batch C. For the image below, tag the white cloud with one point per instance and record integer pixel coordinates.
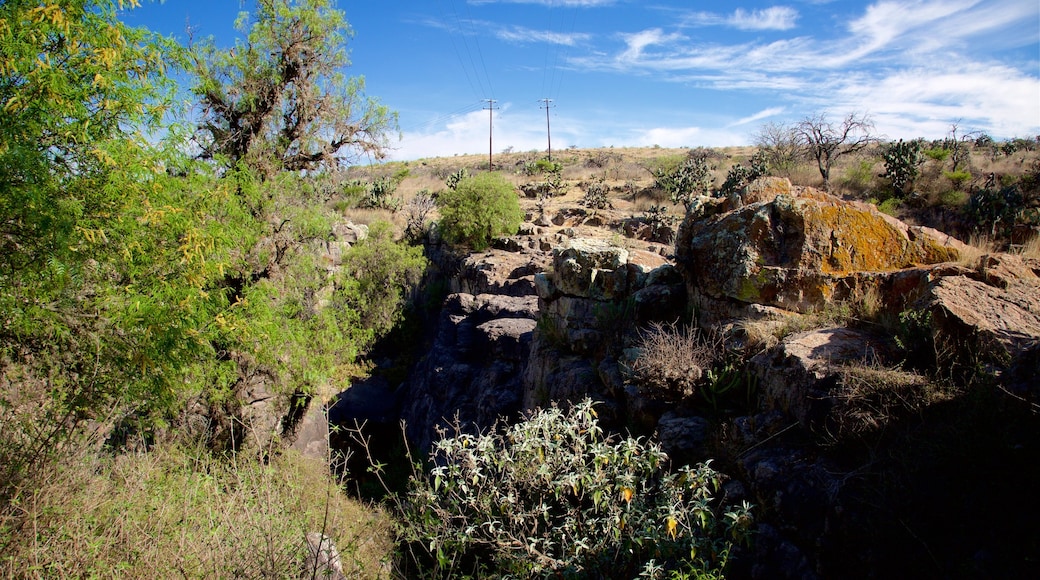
(764, 114)
(672, 137)
(519, 34)
(923, 101)
(468, 133)
(639, 41)
(774, 18)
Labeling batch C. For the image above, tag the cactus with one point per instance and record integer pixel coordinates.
(692, 178)
(902, 164)
(454, 179)
(739, 176)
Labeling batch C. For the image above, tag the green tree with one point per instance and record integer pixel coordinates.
(279, 99)
(89, 323)
(479, 209)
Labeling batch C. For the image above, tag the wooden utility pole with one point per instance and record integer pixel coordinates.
(491, 128)
(548, 132)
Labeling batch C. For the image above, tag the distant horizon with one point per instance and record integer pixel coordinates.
(623, 73)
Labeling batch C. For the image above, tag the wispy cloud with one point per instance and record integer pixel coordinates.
(763, 114)
(565, 3)
(521, 35)
(773, 18)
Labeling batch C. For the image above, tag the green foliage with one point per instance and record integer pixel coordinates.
(279, 100)
(739, 176)
(480, 209)
(890, 206)
(915, 338)
(553, 496)
(691, 178)
(453, 180)
(958, 178)
(902, 165)
(937, 154)
(859, 177)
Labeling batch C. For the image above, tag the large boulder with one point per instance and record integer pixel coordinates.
(991, 315)
(798, 376)
(798, 250)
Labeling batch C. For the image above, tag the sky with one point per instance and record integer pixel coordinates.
(671, 73)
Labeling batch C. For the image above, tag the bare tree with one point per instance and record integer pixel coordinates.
(826, 141)
(779, 143)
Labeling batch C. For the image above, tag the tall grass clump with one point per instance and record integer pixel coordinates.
(181, 510)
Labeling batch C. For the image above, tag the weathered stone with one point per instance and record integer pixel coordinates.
(992, 314)
(797, 376)
(323, 560)
(683, 438)
(578, 264)
(795, 252)
(474, 369)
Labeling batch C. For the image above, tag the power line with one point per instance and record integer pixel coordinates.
(491, 128)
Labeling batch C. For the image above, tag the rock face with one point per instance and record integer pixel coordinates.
(473, 369)
(796, 250)
(991, 315)
(594, 294)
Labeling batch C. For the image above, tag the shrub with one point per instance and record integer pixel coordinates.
(553, 496)
(672, 361)
(479, 209)
(958, 178)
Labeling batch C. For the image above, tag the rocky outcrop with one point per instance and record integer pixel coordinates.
(990, 314)
(595, 293)
(798, 376)
(796, 250)
(473, 369)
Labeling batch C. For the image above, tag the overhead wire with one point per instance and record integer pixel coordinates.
(462, 61)
(443, 118)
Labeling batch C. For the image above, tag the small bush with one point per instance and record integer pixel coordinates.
(553, 497)
(480, 209)
(672, 361)
(958, 178)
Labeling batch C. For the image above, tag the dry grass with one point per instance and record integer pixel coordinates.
(1031, 249)
(673, 359)
(978, 245)
(766, 333)
(180, 511)
(870, 397)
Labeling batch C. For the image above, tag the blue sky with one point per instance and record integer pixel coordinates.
(671, 73)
